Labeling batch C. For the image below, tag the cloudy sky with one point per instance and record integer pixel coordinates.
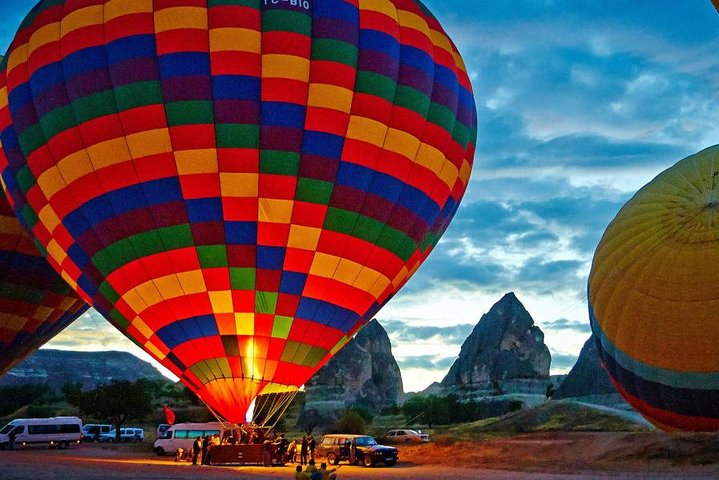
(580, 103)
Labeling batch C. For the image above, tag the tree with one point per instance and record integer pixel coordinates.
(116, 402)
(12, 398)
(351, 422)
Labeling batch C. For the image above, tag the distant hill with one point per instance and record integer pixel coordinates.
(57, 367)
(558, 416)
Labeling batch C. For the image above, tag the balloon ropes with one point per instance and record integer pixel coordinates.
(237, 185)
(35, 303)
(654, 296)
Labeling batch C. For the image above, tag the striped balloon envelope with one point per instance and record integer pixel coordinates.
(238, 185)
(35, 303)
(654, 296)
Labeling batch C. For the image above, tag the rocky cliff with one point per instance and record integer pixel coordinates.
(505, 348)
(588, 380)
(57, 367)
(363, 374)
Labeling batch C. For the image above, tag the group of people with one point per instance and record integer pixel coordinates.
(302, 451)
(311, 472)
(202, 448)
(245, 434)
(275, 448)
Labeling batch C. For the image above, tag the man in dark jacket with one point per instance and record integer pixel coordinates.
(206, 449)
(303, 451)
(311, 444)
(196, 449)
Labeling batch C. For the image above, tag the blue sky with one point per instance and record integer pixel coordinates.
(580, 103)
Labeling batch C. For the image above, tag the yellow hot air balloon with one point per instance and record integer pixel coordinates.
(654, 296)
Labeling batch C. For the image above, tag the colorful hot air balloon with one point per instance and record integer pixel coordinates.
(654, 296)
(238, 185)
(35, 303)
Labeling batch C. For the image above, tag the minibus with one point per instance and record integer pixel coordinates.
(57, 432)
(181, 435)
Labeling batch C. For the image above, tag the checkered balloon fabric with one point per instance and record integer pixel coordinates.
(237, 185)
(35, 303)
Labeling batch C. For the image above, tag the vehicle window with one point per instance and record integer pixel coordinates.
(7, 428)
(19, 429)
(167, 434)
(181, 433)
(328, 441)
(365, 441)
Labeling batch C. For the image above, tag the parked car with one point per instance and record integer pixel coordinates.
(406, 436)
(127, 434)
(93, 431)
(139, 434)
(337, 447)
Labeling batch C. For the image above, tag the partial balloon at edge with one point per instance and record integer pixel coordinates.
(654, 296)
(35, 303)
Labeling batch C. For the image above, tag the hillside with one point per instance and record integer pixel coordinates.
(555, 416)
(57, 367)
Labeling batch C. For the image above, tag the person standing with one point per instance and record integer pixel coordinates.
(292, 451)
(353, 452)
(11, 439)
(281, 444)
(311, 444)
(303, 451)
(206, 449)
(196, 449)
(267, 448)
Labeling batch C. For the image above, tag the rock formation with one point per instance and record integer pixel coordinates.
(363, 374)
(588, 380)
(57, 367)
(504, 350)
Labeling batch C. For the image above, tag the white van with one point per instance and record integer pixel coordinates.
(94, 431)
(181, 435)
(56, 432)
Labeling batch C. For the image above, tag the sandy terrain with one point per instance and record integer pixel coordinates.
(556, 456)
(682, 454)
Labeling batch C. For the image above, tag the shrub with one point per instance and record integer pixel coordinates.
(351, 422)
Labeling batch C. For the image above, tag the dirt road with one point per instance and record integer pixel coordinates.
(83, 463)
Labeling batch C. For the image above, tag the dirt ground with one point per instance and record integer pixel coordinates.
(555, 456)
(571, 452)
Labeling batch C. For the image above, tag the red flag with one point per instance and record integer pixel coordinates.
(169, 414)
